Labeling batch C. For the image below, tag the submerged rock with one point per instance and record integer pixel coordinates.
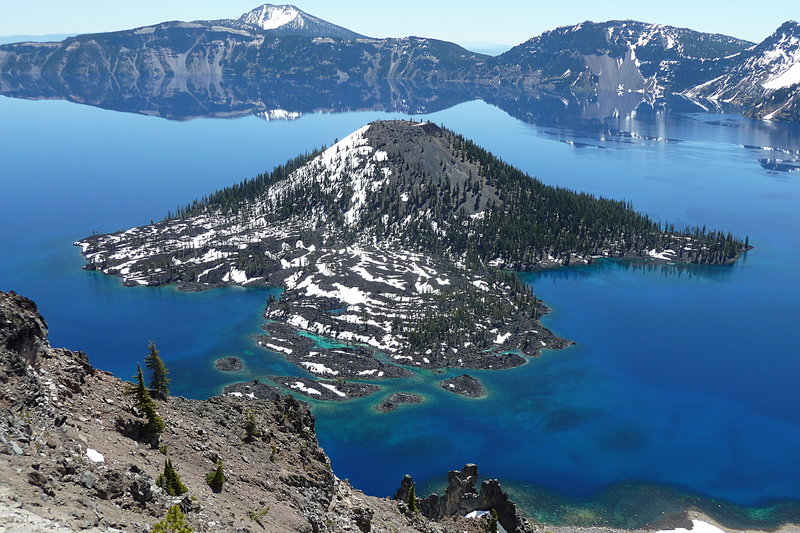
(228, 364)
(397, 399)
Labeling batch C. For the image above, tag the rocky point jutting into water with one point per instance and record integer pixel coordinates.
(396, 240)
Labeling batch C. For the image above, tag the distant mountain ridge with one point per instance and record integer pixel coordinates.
(268, 42)
(617, 56)
(271, 42)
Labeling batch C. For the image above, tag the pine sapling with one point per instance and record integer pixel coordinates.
(412, 499)
(173, 522)
(493, 521)
(170, 481)
(216, 478)
(250, 427)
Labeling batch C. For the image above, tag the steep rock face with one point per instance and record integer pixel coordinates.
(616, 56)
(764, 77)
(201, 53)
(150, 54)
(782, 104)
(460, 498)
(68, 456)
(22, 331)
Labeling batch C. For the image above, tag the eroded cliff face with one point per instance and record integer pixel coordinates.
(621, 56)
(70, 459)
(461, 498)
(763, 80)
(200, 51)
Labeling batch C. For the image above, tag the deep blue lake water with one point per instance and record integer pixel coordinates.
(681, 377)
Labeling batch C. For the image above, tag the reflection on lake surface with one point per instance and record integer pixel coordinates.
(682, 379)
(599, 120)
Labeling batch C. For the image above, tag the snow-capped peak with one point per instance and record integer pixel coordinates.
(287, 19)
(270, 17)
(782, 59)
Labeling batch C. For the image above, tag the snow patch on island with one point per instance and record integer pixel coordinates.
(298, 385)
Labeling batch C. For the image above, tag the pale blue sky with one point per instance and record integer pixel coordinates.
(498, 21)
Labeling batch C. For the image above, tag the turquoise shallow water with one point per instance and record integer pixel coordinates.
(681, 378)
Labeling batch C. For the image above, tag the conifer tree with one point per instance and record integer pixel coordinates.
(170, 481)
(412, 499)
(159, 382)
(145, 405)
(155, 424)
(493, 521)
(216, 478)
(173, 522)
(251, 427)
(137, 389)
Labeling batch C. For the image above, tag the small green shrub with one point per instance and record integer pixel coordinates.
(170, 481)
(251, 427)
(256, 516)
(216, 478)
(412, 499)
(173, 522)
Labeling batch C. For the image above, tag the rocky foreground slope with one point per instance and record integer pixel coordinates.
(69, 459)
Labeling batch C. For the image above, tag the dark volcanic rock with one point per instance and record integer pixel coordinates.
(257, 389)
(22, 330)
(465, 385)
(396, 400)
(344, 361)
(461, 498)
(228, 364)
(326, 390)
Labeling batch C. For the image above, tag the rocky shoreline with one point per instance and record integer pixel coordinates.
(252, 389)
(336, 391)
(347, 360)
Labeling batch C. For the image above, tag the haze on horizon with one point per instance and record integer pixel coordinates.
(507, 22)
